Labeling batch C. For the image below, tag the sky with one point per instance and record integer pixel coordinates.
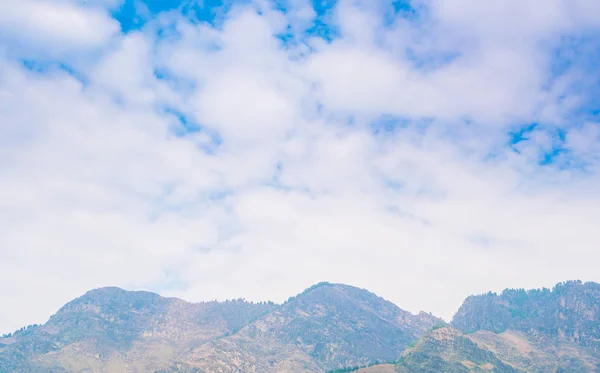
(425, 150)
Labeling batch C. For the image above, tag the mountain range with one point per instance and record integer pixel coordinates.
(326, 328)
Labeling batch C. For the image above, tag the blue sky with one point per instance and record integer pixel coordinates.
(425, 150)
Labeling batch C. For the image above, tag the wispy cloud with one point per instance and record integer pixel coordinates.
(424, 150)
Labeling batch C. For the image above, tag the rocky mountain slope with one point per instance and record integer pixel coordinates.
(111, 329)
(326, 327)
(449, 350)
(570, 312)
(536, 331)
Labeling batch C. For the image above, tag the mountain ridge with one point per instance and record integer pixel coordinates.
(112, 328)
(326, 327)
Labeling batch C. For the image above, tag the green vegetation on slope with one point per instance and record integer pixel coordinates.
(328, 327)
(569, 312)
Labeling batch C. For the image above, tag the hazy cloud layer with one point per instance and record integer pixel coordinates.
(425, 151)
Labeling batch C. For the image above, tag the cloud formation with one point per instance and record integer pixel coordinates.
(425, 150)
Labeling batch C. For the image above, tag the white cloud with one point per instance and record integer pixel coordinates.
(96, 189)
(54, 27)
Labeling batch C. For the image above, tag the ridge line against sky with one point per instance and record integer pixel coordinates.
(425, 150)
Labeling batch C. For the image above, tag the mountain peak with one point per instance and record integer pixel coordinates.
(568, 312)
(327, 326)
(324, 286)
(112, 299)
(332, 291)
(114, 291)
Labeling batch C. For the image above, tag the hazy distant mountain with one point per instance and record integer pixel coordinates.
(328, 327)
